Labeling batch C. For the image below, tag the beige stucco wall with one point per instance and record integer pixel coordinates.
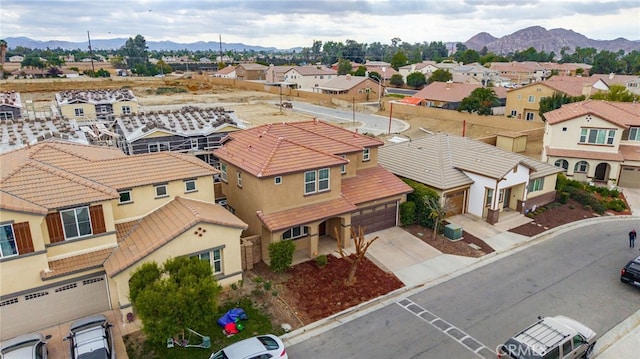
(187, 244)
(549, 186)
(117, 107)
(35, 225)
(518, 100)
(21, 273)
(144, 199)
(68, 111)
(556, 137)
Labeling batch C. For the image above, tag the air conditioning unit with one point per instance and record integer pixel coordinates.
(453, 232)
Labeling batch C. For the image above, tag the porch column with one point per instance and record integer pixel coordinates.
(313, 243)
(493, 215)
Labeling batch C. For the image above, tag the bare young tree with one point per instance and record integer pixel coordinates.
(361, 247)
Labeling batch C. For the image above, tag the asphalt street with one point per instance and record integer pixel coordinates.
(574, 274)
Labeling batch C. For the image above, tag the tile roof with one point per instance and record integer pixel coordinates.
(313, 70)
(441, 160)
(306, 214)
(17, 204)
(572, 86)
(347, 82)
(371, 184)
(412, 100)
(77, 263)
(446, 91)
(253, 67)
(123, 229)
(630, 153)
(592, 155)
(227, 70)
(275, 149)
(623, 114)
(615, 79)
(164, 225)
(54, 174)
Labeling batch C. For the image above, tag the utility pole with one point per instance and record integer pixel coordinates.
(93, 70)
(220, 42)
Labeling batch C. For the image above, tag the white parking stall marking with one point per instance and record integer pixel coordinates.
(448, 329)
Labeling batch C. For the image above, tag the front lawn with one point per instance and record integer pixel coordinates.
(256, 324)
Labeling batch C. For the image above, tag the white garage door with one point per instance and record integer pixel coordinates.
(50, 306)
(629, 177)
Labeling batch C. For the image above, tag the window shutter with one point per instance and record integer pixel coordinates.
(24, 241)
(97, 219)
(54, 226)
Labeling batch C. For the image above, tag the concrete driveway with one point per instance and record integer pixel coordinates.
(633, 198)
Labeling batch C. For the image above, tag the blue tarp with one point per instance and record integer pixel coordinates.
(232, 316)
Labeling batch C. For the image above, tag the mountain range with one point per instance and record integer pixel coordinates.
(539, 38)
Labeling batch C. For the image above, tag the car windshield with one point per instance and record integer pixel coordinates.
(269, 343)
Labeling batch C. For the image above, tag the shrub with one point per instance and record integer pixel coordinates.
(281, 254)
(419, 198)
(616, 205)
(407, 213)
(564, 197)
(322, 260)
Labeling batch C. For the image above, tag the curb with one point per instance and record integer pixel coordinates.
(611, 343)
(325, 324)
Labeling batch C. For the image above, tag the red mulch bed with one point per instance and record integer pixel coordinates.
(461, 247)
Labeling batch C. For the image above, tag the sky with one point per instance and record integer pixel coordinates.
(285, 24)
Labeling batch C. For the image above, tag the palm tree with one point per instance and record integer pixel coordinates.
(3, 53)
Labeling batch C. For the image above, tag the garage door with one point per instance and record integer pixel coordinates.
(375, 218)
(51, 306)
(629, 177)
(456, 202)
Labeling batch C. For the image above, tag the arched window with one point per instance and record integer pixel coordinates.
(562, 164)
(582, 167)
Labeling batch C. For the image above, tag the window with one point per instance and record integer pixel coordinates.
(566, 347)
(581, 167)
(597, 136)
(536, 184)
(323, 180)
(79, 112)
(316, 181)
(277, 180)
(223, 171)
(214, 258)
(103, 108)
(8, 247)
(309, 182)
(295, 232)
(530, 116)
(365, 154)
(562, 164)
(154, 147)
(239, 177)
(190, 185)
(343, 168)
(564, 129)
(125, 196)
(531, 99)
(161, 190)
(194, 143)
(76, 222)
(488, 197)
(634, 134)
(6, 115)
(514, 113)
(126, 110)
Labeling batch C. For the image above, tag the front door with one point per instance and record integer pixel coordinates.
(601, 171)
(506, 197)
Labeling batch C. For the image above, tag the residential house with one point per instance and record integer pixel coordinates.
(476, 74)
(307, 78)
(595, 141)
(16, 58)
(449, 95)
(275, 74)
(306, 181)
(228, 72)
(568, 69)
(383, 68)
(251, 72)
(30, 73)
(194, 130)
(425, 67)
(630, 82)
(472, 176)
(95, 104)
(77, 221)
(521, 73)
(358, 88)
(524, 102)
(10, 106)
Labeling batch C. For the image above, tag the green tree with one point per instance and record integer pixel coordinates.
(163, 67)
(33, 61)
(184, 295)
(344, 67)
(469, 56)
(606, 62)
(437, 212)
(480, 101)
(416, 79)
(556, 101)
(3, 54)
(616, 93)
(399, 59)
(396, 80)
(361, 71)
(136, 54)
(440, 75)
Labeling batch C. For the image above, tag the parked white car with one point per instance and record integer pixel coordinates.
(261, 346)
(26, 346)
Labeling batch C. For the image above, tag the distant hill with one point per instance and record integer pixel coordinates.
(545, 40)
(112, 44)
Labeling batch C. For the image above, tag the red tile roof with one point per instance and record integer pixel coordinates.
(591, 155)
(572, 86)
(412, 100)
(13, 203)
(70, 265)
(623, 114)
(306, 214)
(371, 184)
(630, 153)
(164, 225)
(276, 149)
